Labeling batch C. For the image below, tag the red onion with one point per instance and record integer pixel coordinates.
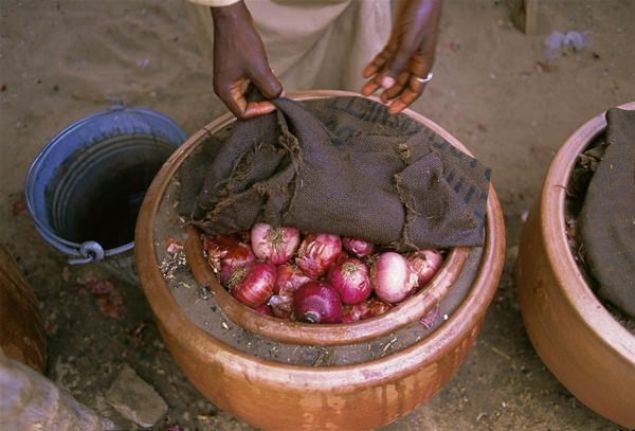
(358, 247)
(350, 280)
(317, 253)
(253, 285)
(392, 278)
(425, 263)
(274, 244)
(227, 251)
(289, 278)
(317, 302)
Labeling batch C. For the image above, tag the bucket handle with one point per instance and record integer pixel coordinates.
(90, 251)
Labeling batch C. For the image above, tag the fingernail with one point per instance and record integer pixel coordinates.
(387, 81)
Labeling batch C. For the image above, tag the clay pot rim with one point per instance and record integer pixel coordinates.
(552, 207)
(188, 335)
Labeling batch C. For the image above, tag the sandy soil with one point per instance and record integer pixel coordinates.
(494, 89)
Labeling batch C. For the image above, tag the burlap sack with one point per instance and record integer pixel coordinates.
(607, 220)
(341, 165)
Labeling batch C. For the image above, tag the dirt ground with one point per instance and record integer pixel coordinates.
(495, 89)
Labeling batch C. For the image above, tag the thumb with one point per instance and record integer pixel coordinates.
(267, 83)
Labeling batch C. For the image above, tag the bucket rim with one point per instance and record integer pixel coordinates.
(72, 248)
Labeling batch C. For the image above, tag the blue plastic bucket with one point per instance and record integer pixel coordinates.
(85, 187)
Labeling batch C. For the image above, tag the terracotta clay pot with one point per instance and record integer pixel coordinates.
(270, 394)
(587, 350)
(22, 335)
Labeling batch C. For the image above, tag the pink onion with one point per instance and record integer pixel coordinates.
(317, 302)
(392, 278)
(274, 244)
(253, 285)
(426, 264)
(317, 253)
(358, 247)
(227, 251)
(289, 278)
(350, 280)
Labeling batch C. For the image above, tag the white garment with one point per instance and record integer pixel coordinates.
(312, 44)
(215, 3)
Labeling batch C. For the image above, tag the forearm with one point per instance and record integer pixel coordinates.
(240, 60)
(233, 17)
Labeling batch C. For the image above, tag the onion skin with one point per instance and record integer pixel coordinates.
(351, 281)
(264, 309)
(274, 244)
(376, 307)
(392, 278)
(317, 253)
(253, 285)
(281, 305)
(317, 302)
(426, 264)
(289, 278)
(430, 319)
(227, 251)
(355, 313)
(358, 247)
(364, 310)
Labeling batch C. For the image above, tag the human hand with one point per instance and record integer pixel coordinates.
(240, 61)
(407, 57)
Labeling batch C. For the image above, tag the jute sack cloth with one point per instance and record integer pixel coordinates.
(607, 220)
(342, 165)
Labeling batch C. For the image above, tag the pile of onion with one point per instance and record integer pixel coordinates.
(316, 277)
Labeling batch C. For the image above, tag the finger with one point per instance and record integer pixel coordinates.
(370, 87)
(396, 66)
(233, 95)
(255, 109)
(369, 70)
(396, 89)
(267, 83)
(237, 106)
(407, 97)
(376, 64)
(420, 65)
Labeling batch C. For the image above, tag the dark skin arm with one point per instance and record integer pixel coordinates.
(409, 54)
(240, 61)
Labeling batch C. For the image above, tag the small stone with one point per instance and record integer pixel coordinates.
(135, 399)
